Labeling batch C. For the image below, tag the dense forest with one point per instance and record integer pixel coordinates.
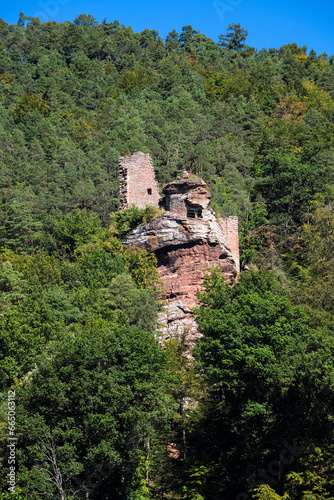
(103, 410)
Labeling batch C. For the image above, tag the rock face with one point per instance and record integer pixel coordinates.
(187, 239)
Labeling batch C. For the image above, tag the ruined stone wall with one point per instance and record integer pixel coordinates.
(137, 181)
(229, 226)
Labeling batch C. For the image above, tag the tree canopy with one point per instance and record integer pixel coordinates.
(104, 411)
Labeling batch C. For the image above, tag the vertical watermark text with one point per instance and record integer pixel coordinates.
(11, 476)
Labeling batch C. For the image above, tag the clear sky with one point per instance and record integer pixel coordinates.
(269, 23)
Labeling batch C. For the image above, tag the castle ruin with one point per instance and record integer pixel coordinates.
(137, 183)
(187, 240)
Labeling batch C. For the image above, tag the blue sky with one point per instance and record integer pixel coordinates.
(269, 23)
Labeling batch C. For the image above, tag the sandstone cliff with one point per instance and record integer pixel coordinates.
(187, 240)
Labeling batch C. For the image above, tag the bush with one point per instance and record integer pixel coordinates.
(123, 222)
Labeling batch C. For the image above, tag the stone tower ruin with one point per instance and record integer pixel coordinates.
(137, 184)
(230, 228)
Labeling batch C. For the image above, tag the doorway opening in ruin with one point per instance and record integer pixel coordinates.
(149, 191)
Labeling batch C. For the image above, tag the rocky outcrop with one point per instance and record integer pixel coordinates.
(187, 240)
(187, 197)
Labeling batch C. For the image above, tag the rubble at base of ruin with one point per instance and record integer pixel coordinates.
(187, 240)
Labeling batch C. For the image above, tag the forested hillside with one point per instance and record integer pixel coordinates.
(103, 411)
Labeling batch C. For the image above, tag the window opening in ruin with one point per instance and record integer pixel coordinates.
(194, 212)
(149, 191)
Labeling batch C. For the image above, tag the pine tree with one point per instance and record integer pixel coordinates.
(234, 38)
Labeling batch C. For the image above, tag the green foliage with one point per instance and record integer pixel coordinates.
(42, 296)
(318, 234)
(85, 302)
(264, 492)
(258, 126)
(27, 105)
(63, 235)
(220, 86)
(265, 366)
(123, 222)
(77, 95)
(142, 266)
(234, 38)
(20, 228)
(197, 478)
(313, 477)
(11, 496)
(310, 259)
(36, 267)
(93, 395)
(135, 80)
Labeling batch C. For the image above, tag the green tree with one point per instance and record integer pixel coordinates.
(312, 476)
(86, 412)
(311, 259)
(186, 38)
(62, 235)
(264, 492)
(265, 366)
(20, 228)
(28, 104)
(234, 38)
(11, 286)
(172, 41)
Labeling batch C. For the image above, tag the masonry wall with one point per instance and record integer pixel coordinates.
(229, 226)
(137, 181)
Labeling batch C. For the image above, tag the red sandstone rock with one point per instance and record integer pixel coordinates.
(184, 248)
(187, 240)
